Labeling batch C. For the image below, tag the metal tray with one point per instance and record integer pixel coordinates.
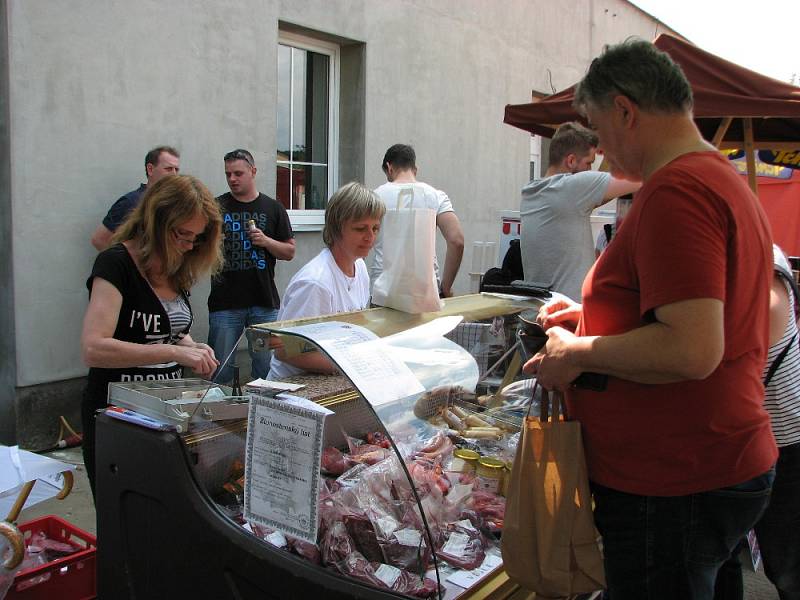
(162, 400)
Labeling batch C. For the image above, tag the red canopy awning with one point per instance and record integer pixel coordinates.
(781, 201)
(721, 89)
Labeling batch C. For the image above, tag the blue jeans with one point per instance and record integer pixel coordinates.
(778, 531)
(671, 547)
(225, 327)
(778, 535)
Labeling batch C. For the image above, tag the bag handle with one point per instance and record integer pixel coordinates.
(546, 412)
(559, 408)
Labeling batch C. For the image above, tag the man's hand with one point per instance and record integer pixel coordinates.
(564, 313)
(258, 237)
(555, 366)
(280, 250)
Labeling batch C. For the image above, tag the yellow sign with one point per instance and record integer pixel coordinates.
(783, 158)
(779, 168)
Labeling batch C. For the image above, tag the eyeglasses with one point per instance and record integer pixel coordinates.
(187, 237)
(240, 155)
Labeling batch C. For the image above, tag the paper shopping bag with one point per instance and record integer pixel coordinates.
(408, 280)
(550, 544)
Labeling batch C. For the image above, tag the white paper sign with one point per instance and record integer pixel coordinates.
(282, 464)
(409, 537)
(365, 358)
(387, 574)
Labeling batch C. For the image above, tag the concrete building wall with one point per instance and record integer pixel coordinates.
(91, 88)
(8, 372)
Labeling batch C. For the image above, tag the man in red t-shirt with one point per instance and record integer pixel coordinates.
(675, 314)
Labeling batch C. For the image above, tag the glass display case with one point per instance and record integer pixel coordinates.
(399, 493)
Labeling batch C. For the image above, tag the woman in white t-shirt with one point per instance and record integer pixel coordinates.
(336, 280)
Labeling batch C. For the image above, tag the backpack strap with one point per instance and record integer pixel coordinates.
(778, 360)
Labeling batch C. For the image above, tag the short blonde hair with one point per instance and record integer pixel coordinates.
(351, 202)
(166, 204)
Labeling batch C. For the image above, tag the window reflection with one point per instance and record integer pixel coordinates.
(302, 128)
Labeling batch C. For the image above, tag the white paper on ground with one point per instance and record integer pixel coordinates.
(18, 467)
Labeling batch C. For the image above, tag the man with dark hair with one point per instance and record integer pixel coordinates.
(556, 238)
(160, 161)
(678, 445)
(399, 166)
(257, 233)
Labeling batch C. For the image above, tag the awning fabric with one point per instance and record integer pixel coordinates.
(781, 201)
(721, 89)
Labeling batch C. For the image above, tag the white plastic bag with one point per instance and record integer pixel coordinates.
(408, 281)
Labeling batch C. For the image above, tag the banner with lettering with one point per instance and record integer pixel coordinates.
(765, 168)
(781, 158)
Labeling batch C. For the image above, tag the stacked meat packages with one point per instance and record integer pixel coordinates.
(371, 525)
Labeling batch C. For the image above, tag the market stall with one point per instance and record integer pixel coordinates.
(779, 192)
(733, 106)
(383, 481)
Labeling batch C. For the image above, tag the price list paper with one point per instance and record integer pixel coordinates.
(282, 464)
(367, 360)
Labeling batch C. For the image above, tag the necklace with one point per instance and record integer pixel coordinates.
(343, 265)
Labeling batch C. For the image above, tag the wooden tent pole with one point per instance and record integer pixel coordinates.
(750, 154)
(721, 131)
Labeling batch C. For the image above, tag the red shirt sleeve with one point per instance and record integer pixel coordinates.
(687, 229)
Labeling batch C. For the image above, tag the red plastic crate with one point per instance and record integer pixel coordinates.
(73, 577)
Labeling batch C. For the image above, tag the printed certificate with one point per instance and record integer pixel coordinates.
(282, 464)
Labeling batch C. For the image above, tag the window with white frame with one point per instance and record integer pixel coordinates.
(307, 135)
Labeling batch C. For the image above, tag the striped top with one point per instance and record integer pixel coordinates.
(180, 317)
(782, 399)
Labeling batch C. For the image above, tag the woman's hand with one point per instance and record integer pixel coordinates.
(101, 349)
(562, 312)
(275, 343)
(197, 356)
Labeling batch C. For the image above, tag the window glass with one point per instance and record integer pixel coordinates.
(303, 127)
(284, 97)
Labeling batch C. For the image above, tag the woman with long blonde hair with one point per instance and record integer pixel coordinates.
(136, 326)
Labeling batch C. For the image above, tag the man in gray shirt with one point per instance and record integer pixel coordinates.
(557, 244)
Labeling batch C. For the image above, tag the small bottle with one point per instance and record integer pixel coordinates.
(237, 387)
(251, 225)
